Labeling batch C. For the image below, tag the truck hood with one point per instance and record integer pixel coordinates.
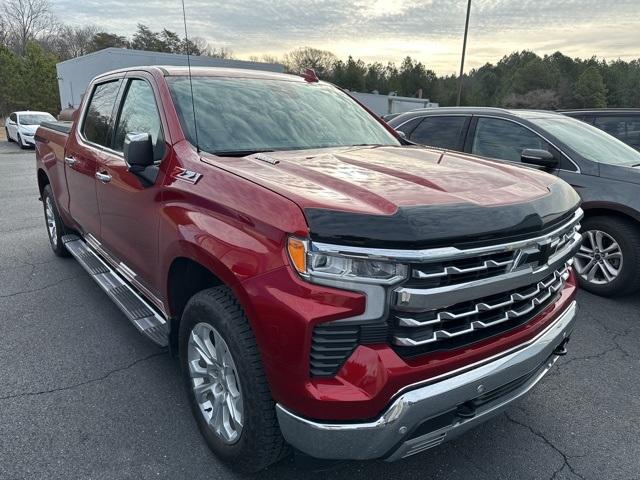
(391, 196)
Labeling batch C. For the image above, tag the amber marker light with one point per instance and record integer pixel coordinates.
(297, 249)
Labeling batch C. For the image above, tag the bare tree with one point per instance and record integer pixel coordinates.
(27, 20)
(70, 42)
(4, 32)
(321, 61)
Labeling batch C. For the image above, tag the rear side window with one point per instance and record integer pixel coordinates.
(504, 140)
(408, 126)
(13, 117)
(98, 117)
(139, 114)
(441, 132)
(625, 128)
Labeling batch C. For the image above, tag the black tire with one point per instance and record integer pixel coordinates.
(6, 132)
(627, 234)
(22, 145)
(260, 443)
(55, 241)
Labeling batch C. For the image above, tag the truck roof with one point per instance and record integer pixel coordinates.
(172, 70)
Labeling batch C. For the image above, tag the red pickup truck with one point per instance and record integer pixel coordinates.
(325, 285)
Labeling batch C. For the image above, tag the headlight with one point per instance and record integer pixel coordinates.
(316, 265)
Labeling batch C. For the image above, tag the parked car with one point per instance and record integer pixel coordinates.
(324, 285)
(602, 169)
(20, 127)
(622, 123)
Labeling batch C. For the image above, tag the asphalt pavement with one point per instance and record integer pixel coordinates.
(84, 396)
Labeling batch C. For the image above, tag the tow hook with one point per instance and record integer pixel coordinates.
(561, 350)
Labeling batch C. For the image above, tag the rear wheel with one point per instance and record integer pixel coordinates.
(6, 132)
(55, 227)
(226, 384)
(608, 262)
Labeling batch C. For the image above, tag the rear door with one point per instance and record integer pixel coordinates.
(129, 208)
(86, 148)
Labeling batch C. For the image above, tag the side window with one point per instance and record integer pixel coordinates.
(13, 117)
(408, 127)
(139, 114)
(504, 140)
(441, 132)
(98, 117)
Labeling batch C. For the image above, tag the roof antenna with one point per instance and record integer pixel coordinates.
(193, 104)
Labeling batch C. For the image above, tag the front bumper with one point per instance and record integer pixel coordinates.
(425, 416)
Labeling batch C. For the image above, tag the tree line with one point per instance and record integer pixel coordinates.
(32, 41)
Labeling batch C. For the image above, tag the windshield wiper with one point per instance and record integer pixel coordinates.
(237, 153)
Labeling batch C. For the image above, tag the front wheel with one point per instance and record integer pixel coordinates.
(22, 145)
(226, 384)
(608, 262)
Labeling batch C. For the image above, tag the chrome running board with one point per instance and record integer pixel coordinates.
(139, 312)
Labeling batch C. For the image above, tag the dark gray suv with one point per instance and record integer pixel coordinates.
(602, 169)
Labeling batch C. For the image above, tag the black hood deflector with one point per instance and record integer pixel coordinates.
(432, 226)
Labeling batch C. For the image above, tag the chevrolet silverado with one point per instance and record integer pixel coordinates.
(325, 285)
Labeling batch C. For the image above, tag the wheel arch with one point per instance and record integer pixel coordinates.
(595, 209)
(43, 180)
(191, 272)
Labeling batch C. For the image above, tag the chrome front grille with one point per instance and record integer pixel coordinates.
(467, 295)
(466, 318)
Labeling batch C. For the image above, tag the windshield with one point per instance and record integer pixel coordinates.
(34, 118)
(590, 142)
(253, 115)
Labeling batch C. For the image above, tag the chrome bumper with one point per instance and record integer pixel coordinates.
(428, 415)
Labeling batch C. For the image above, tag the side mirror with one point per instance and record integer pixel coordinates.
(138, 151)
(401, 134)
(542, 158)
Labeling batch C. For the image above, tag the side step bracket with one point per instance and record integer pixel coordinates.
(140, 312)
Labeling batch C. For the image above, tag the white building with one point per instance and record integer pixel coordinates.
(74, 75)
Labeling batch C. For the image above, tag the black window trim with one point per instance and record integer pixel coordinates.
(472, 134)
(122, 96)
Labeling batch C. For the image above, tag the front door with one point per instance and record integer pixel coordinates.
(128, 207)
(12, 127)
(87, 147)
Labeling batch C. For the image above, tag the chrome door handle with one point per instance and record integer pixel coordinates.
(70, 161)
(103, 177)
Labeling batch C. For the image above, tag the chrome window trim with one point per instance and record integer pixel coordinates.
(442, 253)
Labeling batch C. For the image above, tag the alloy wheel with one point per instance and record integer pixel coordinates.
(599, 260)
(215, 382)
(51, 221)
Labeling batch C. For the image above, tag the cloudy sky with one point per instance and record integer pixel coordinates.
(384, 30)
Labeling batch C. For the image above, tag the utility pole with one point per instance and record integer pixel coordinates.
(464, 50)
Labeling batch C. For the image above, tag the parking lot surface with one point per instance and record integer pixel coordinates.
(83, 395)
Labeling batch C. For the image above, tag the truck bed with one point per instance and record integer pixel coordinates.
(62, 127)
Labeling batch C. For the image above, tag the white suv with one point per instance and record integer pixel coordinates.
(20, 127)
